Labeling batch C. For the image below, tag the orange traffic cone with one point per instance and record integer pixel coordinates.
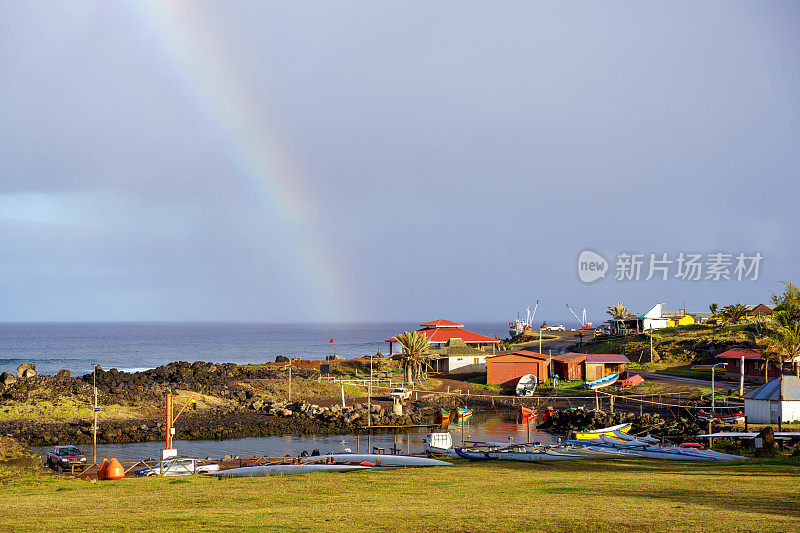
(115, 470)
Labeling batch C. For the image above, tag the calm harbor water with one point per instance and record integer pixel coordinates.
(139, 346)
(482, 427)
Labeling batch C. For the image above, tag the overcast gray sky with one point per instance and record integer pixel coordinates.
(378, 161)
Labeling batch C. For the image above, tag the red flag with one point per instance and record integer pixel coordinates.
(330, 341)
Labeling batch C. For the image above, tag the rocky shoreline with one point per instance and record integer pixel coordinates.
(241, 402)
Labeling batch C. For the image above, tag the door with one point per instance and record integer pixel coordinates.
(774, 412)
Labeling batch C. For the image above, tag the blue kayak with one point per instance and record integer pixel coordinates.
(602, 382)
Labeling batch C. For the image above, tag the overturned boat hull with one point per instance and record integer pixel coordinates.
(283, 470)
(374, 459)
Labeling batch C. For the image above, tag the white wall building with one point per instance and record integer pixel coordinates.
(777, 400)
(653, 319)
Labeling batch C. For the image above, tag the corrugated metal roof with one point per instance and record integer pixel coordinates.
(606, 358)
(569, 356)
(782, 388)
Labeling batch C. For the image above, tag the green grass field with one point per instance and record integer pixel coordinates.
(758, 495)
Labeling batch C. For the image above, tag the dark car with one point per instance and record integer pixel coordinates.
(65, 457)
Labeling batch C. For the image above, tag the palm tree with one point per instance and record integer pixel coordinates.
(416, 351)
(781, 341)
(733, 314)
(618, 312)
(713, 308)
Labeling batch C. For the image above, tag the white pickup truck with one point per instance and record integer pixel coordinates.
(400, 393)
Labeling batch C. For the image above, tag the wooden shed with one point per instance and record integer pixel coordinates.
(600, 365)
(570, 366)
(507, 368)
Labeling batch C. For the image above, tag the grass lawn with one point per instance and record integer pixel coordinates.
(758, 495)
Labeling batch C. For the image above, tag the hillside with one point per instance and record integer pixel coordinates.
(695, 344)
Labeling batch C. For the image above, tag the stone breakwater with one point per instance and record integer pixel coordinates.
(570, 421)
(279, 418)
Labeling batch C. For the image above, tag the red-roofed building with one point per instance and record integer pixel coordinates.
(754, 365)
(440, 332)
(570, 366)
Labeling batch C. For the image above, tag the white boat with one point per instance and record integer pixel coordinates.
(515, 327)
(625, 437)
(283, 470)
(439, 444)
(374, 459)
(526, 385)
(533, 453)
(528, 456)
(674, 453)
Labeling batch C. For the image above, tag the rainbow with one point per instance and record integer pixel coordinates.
(266, 170)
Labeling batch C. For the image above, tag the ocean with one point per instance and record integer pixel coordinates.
(134, 346)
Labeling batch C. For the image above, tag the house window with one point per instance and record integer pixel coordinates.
(756, 365)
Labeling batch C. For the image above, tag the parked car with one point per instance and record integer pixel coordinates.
(556, 327)
(400, 393)
(179, 466)
(65, 457)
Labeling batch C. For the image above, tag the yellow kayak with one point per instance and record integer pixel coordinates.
(608, 432)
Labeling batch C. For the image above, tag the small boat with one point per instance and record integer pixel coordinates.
(673, 453)
(463, 414)
(526, 385)
(602, 382)
(283, 470)
(442, 417)
(547, 414)
(439, 444)
(632, 381)
(526, 414)
(531, 456)
(729, 418)
(625, 437)
(595, 434)
(373, 459)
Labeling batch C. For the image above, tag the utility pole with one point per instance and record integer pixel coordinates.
(540, 339)
(741, 377)
(290, 380)
(369, 395)
(94, 427)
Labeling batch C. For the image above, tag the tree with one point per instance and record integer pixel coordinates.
(416, 351)
(781, 341)
(788, 302)
(618, 312)
(713, 308)
(733, 314)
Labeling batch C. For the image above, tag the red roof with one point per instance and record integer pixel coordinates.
(737, 353)
(569, 356)
(442, 323)
(442, 335)
(606, 358)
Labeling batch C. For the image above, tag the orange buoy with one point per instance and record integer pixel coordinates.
(115, 470)
(101, 472)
